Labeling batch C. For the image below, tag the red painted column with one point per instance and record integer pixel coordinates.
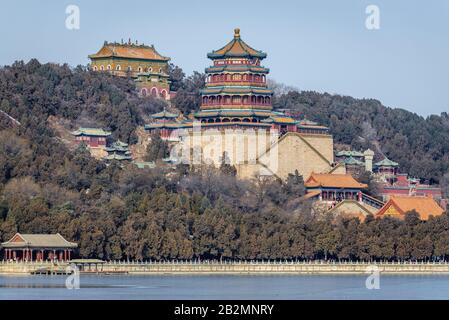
(70, 251)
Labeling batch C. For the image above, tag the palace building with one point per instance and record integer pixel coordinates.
(92, 137)
(38, 247)
(141, 62)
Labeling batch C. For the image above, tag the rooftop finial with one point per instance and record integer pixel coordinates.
(236, 33)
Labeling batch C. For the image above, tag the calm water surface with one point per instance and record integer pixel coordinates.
(226, 287)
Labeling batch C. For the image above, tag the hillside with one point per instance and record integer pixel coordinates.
(117, 213)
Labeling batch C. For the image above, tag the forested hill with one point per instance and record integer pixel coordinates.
(420, 145)
(31, 92)
(118, 213)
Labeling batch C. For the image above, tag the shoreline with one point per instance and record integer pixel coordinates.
(217, 268)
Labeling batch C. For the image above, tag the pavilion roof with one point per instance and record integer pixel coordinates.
(20, 240)
(128, 50)
(235, 90)
(386, 163)
(96, 132)
(145, 164)
(236, 48)
(423, 205)
(348, 209)
(352, 161)
(118, 146)
(301, 126)
(308, 124)
(349, 153)
(339, 181)
(164, 114)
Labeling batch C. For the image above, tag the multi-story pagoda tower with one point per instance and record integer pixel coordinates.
(236, 91)
(236, 97)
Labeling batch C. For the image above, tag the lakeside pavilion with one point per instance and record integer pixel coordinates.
(38, 247)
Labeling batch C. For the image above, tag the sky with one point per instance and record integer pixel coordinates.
(320, 45)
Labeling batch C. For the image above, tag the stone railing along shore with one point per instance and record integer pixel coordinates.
(223, 267)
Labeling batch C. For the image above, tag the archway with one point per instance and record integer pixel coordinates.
(154, 92)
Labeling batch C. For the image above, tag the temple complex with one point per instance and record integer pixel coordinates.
(141, 62)
(38, 247)
(236, 122)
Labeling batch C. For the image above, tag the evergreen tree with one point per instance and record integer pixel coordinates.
(157, 149)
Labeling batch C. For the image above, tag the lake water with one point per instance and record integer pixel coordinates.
(226, 287)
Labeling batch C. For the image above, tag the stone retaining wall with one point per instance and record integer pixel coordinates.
(230, 268)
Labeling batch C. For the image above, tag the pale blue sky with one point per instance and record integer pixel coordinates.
(313, 45)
